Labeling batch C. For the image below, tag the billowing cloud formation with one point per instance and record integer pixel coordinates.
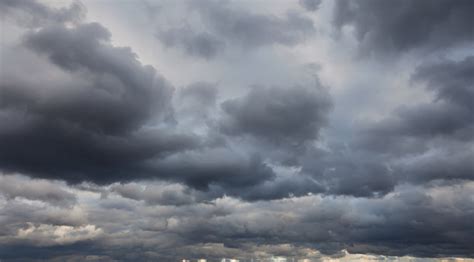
(405, 25)
(318, 226)
(115, 147)
(86, 120)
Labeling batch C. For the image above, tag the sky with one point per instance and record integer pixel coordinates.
(165, 130)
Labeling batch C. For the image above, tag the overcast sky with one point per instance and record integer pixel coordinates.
(162, 130)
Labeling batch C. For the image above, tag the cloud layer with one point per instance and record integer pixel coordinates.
(157, 131)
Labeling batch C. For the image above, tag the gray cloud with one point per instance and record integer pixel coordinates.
(92, 117)
(102, 159)
(173, 194)
(298, 227)
(280, 188)
(32, 13)
(429, 141)
(348, 171)
(452, 81)
(280, 115)
(310, 5)
(406, 25)
(252, 30)
(126, 93)
(448, 116)
(422, 143)
(13, 187)
(227, 25)
(201, 44)
(221, 166)
(439, 164)
(200, 93)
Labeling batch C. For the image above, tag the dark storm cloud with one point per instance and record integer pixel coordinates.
(102, 116)
(289, 116)
(89, 124)
(434, 140)
(276, 188)
(452, 81)
(332, 223)
(442, 164)
(416, 144)
(406, 25)
(124, 93)
(215, 166)
(201, 44)
(449, 115)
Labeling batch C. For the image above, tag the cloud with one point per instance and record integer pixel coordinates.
(223, 25)
(406, 25)
(289, 116)
(13, 186)
(201, 44)
(252, 29)
(172, 194)
(220, 166)
(94, 113)
(439, 164)
(45, 235)
(447, 116)
(311, 226)
(310, 5)
(432, 140)
(347, 170)
(102, 158)
(452, 81)
(126, 93)
(32, 13)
